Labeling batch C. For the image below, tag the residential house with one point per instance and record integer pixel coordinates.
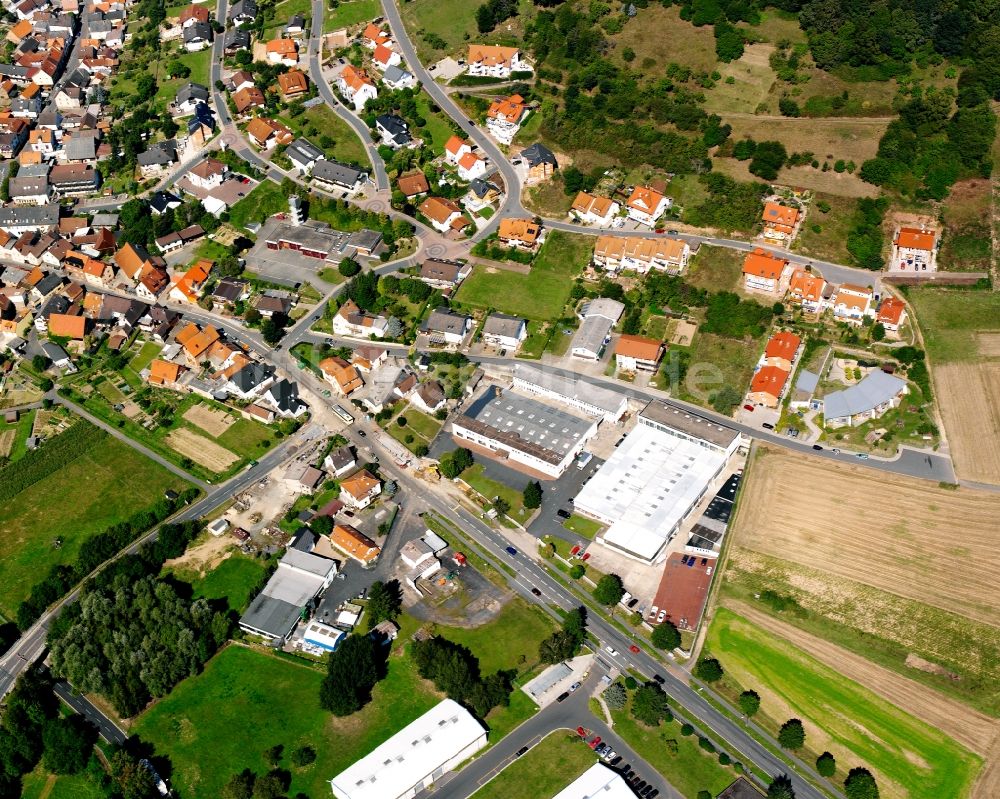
(293, 84)
(768, 386)
(505, 332)
(780, 223)
(248, 99)
(373, 36)
(384, 57)
(356, 87)
(282, 51)
(163, 201)
(236, 40)
(360, 489)
(197, 37)
(334, 176)
(617, 253)
(352, 321)
(273, 302)
(524, 234)
(130, 259)
(645, 205)
(766, 273)
(340, 461)
(74, 179)
(396, 79)
(304, 154)
(540, 162)
(227, 292)
(208, 173)
(266, 133)
(443, 274)
(303, 478)
(152, 281)
(429, 397)
(873, 397)
(593, 210)
(158, 158)
(368, 357)
(806, 289)
(447, 326)
(164, 373)
(174, 241)
(353, 542)
(59, 357)
(891, 314)
(482, 193)
(29, 190)
(852, 303)
(598, 318)
(243, 11)
(413, 184)
(504, 118)
(187, 287)
(188, 97)
(493, 61)
(192, 14)
(393, 131)
(914, 250)
(67, 326)
(781, 350)
(443, 214)
(250, 380)
(471, 166)
(341, 375)
(241, 79)
(455, 148)
(296, 26)
(637, 353)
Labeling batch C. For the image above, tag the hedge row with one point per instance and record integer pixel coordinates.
(38, 464)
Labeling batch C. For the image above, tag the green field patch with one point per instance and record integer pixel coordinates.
(549, 767)
(147, 352)
(581, 525)
(46, 523)
(907, 756)
(350, 12)
(491, 489)
(543, 292)
(233, 580)
(219, 722)
(40, 784)
(716, 269)
(949, 320)
(266, 199)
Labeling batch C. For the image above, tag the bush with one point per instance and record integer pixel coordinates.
(706, 744)
(615, 696)
(687, 729)
(666, 636)
(631, 683)
(577, 571)
(303, 756)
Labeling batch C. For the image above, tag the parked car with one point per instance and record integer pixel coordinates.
(748, 407)
(595, 743)
(661, 616)
(562, 696)
(861, 456)
(768, 426)
(362, 433)
(659, 678)
(581, 732)
(652, 612)
(574, 686)
(521, 751)
(817, 447)
(562, 513)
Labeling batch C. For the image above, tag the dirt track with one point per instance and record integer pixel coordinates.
(897, 534)
(972, 729)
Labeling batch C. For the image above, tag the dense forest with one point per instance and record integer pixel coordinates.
(941, 136)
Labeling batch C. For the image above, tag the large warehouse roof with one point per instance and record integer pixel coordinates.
(597, 782)
(571, 389)
(300, 576)
(647, 487)
(416, 751)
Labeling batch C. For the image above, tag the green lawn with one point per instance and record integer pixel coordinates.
(350, 12)
(454, 21)
(731, 362)
(439, 126)
(283, 12)
(244, 437)
(510, 641)
(424, 425)
(491, 488)
(716, 269)
(22, 430)
(580, 525)
(543, 292)
(544, 771)
(690, 769)
(219, 722)
(949, 319)
(907, 756)
(347, 147)
(266, 199)
(39, 784)
(104, 485)
(232, 580)
(147, 352)
(212, 250)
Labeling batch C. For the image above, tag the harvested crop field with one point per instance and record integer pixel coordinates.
(988, 344)
(969, 397)
(899, 534)
(213, 421)
(201, 450)
(7, 441)
(972, 729)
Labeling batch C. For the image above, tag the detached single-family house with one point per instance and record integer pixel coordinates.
(637, 353)
(443, 274)
(340, 461)
(282, 51)
(645, 205)
(853, 303)
(350, 320)
(354, 543)
(384, 57)
(304, 154)
(247, 99)
(447, 326)
(413, 184)
(505, 332)
(780, 222)
(197, 36)
(429, 396)
(524, 234)
(765, 273)
(541, 163)
(891, 314)
(356, 86)
(806, 289)
(334, 176)
(188, 97)
(266, 133)
(914, 250)
(208, 173)
(393, 131)
(341, 375)
(360, 489)
(455, 148)
(876, 394)
(494, 61)
(293, 84)
(373, 36)
(471, 166)
(442, 213)
(504, 118)
(396, 78)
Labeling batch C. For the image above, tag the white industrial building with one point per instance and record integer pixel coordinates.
(415, 757)
(575, 392)
(655, 479)
(524, 431)
(597, 782)
(298, 580)
(322, 637)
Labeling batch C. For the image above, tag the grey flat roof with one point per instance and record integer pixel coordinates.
(603, 306)
(592, 333)
(547, 679)
(525, 424)
(807, 381)
(690, 423)
(877, 388)
(333, 172)
(570, 387)
(271, 616)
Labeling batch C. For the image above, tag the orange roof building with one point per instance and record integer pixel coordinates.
(891, 313)
(779, 221)
(281, 49)
(806, 288)
(615, 253)
(493, 60)
(247, 98)
(194, 341)
(524, 233)
(163, 373)
(914, 249)
(638, 353)
(646, 204)
(510, 109)
(767, 386)
(592, 208)
(360, 489)
(440, 211)
(341, 374)
(413, 183)
(780, 350)
(353, 542)
(66, 326)
(374, 36)
(764, 272)
(915, 238)
(293, 83)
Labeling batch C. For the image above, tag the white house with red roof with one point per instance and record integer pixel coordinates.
(891, 314)
(356, 86)
(914, 249)
(852, 303)
(455, 148)
(384, 57)
(646, 205)
(471, 166)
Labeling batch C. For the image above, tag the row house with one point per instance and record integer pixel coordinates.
(494, 61)
(639, 254)
(593, 210)
(853, 304)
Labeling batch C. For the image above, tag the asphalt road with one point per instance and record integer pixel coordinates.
(316, 73)
(106, 728)
(557, 718)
